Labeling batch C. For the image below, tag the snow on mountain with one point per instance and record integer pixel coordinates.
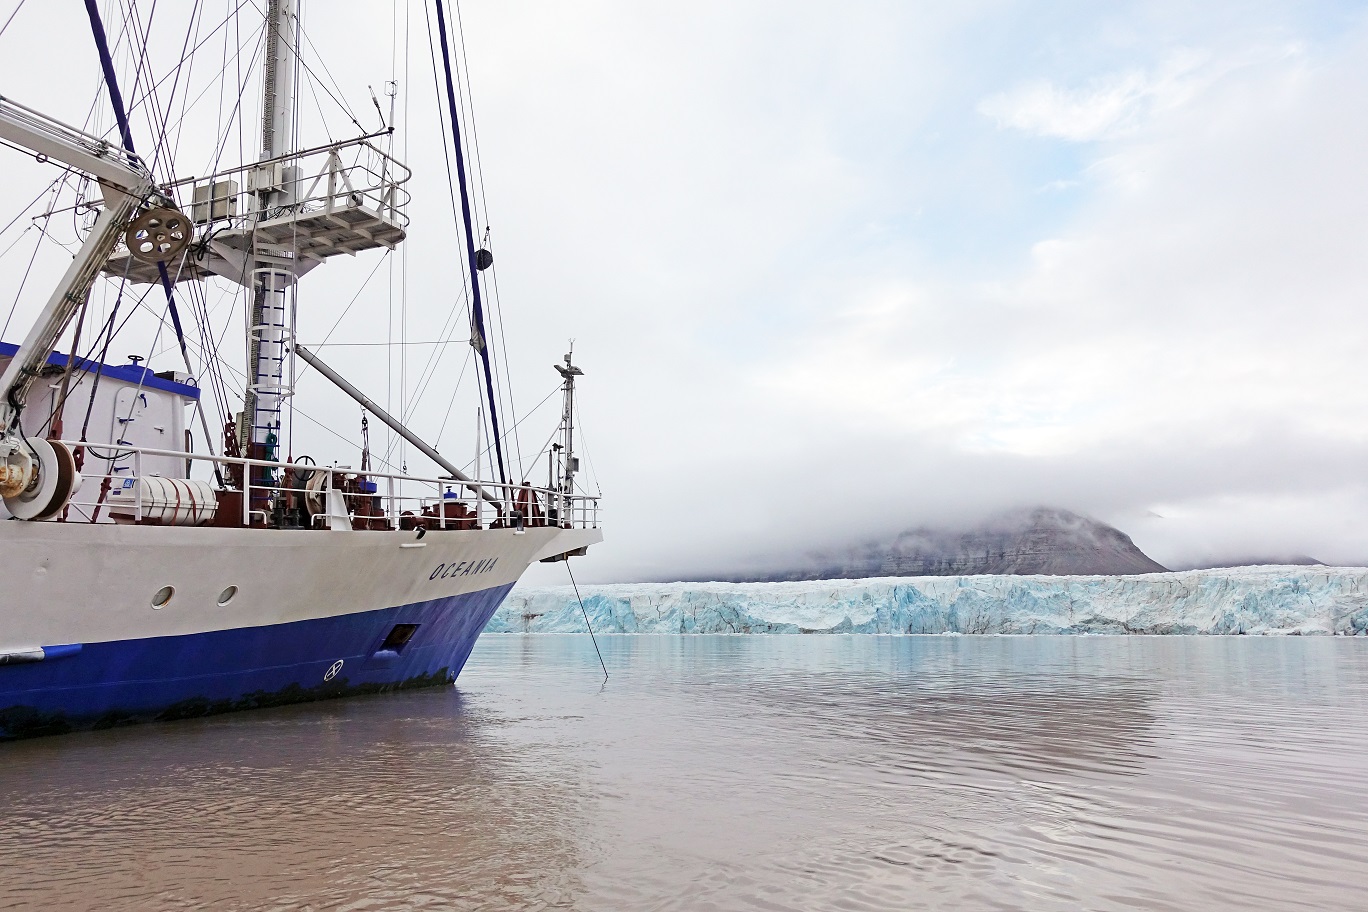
(1244, 600)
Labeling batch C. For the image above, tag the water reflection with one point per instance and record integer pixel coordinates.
(736, 773)
(412, 799)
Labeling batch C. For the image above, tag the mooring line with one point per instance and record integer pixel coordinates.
(584, 612)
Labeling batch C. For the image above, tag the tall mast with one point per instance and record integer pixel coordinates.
(570, 465)
(277, 109)
(269, 328)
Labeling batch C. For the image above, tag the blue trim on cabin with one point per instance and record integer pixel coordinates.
(129, 373)
(101, 685)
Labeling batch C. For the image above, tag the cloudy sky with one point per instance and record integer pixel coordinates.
(834, 270)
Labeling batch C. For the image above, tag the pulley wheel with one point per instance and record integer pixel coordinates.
(158, 235)
(57, 480)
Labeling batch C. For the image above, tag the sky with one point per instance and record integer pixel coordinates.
(837, 270)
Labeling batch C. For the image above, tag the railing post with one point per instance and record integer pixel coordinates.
(137, 482)
(334, 164)
(247, 492)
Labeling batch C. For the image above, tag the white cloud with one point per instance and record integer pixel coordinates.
(1079, 114)
(1111, 105)
(817, 294)
(1188, 343)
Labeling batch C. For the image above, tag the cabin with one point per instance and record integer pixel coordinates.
(133, 407)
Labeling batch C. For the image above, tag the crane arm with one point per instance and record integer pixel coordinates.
(126, 183)
(53, 140)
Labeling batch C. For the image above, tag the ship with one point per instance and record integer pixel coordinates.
(149, 575)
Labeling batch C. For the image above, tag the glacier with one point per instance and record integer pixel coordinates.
(1294, 600)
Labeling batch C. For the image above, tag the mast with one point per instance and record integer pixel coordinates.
(268, 331)
(571, 465)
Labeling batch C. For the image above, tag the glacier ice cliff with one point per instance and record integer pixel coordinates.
(1243, 600)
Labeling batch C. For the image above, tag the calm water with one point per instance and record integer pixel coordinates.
(736, 773)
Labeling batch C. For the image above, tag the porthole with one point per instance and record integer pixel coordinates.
(163, 596)
(227, 595)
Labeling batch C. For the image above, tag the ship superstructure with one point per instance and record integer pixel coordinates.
(148, 580)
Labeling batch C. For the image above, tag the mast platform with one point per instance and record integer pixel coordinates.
(341, 207)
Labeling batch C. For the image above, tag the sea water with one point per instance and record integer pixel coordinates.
(733, 773)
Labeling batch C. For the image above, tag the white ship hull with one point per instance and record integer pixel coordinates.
(256, 617)
(149, 577)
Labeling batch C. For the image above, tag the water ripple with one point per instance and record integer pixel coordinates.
(728, 773)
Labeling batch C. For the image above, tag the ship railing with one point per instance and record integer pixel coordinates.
(373, 499)
(322, 180)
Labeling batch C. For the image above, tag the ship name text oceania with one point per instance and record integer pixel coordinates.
(464, 568)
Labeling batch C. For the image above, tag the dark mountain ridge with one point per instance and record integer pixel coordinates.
(1043, 540)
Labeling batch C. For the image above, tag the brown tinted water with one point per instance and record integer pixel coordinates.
(765, 772)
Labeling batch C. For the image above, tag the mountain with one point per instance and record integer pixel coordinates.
(1263, 560)
(1044, 540)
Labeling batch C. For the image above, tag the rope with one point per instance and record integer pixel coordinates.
(586, 621)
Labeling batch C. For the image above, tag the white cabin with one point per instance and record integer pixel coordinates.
(133, 407)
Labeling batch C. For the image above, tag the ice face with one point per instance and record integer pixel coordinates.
(1244, 600)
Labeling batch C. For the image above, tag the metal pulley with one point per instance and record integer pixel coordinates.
(16, 468)
(158, 235)
(48, 484)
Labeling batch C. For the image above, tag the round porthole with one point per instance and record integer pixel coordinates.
(227, 595)
(163, 596)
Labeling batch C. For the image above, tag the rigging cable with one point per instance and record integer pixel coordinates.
(511, 430)
(496, 310)
(42, 232)
(126, 133)
(116, 100)
(455, 216)
(584, 447)
(299, 57)
(586, 620)
(197, 23)
(165, 136)
(477, 312)
(17, 8)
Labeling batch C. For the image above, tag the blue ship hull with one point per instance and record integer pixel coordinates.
(101, 685)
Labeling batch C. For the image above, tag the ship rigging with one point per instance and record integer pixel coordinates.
(124, 529)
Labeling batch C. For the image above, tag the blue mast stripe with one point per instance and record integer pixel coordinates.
(477, 311)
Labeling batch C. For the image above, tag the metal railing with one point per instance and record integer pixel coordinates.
(271, 492)
(345, 175)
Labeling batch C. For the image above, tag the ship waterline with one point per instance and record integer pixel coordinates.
(132, 623)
